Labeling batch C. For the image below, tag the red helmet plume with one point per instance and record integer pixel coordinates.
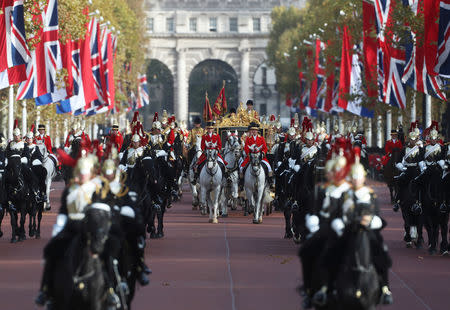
(155, 118)
(16, 123)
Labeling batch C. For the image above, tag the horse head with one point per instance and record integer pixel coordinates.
(211, 157)
(97, 224)
(255, 160)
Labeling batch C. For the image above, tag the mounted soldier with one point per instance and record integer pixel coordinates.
(255, 142)
(130, 156)
(408, 196)
(210, 140)
(35, 159)
(42, 136)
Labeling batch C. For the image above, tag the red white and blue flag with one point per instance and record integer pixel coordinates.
(45, 58)
(391, 59)
(350, 81)
(443, 61)
(416, 74)
(143, 94)
(14, 53)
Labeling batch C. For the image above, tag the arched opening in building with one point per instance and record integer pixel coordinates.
(208, 76)
(160, 84)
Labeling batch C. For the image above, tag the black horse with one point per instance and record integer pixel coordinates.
(304, 184)
(357, 283)
(17, 195)
(78, 275)
(432, 198)
(158, 190)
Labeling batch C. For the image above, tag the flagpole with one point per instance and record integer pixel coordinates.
(11, 112)
(413, 107)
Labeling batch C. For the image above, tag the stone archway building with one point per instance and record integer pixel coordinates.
(184, 33)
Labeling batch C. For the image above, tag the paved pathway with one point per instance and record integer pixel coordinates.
(231, 265)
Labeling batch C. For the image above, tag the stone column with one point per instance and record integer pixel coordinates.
(341, 127)
(369, 132)
(427, 110)
(24, 118)
(379, 132)
(245, 71)
(181, 107)
(388, 123)
(413, 108)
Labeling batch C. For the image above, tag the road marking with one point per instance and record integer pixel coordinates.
(233, 298)
(411, 291)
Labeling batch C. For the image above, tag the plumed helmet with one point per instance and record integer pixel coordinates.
(291, 131)
(16, 132)
(135, 138)
(309, 135)
(30, 135)
(357, 171)
(413, 135)
(109, 167)
(85, 165)
(434, 134)
(156, 125)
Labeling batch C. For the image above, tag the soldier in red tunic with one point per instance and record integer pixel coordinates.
(390, 146)
(254, 143)
(44, 138)
(210, 140)
(115, 137)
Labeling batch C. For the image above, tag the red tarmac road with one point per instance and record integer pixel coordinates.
(231, 265)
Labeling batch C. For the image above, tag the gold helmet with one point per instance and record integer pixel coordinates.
(84, 165)
(109, 167)
(165, 117)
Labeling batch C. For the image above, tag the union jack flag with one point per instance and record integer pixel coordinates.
(391, 59)
(45, 59)
(76, 101)
(143, 98)
(97, 68)
(13, 47)
(415, 73)
(443, 65)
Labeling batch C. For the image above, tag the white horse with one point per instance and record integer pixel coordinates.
(255, 186)
(195, 188)
(49, 163)
(210, 185)
(232, 154)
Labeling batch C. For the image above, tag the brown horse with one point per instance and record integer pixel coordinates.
(390, 172)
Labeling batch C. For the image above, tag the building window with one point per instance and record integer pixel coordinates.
(193, 24)
(256, 24)
(150, 24)
(264, 76)
(170, 24)
(213, 24)
(233, 24)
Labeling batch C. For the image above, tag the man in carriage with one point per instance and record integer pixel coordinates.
(256, 143)
(210, 140)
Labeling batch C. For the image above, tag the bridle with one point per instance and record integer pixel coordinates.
(211, 156)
